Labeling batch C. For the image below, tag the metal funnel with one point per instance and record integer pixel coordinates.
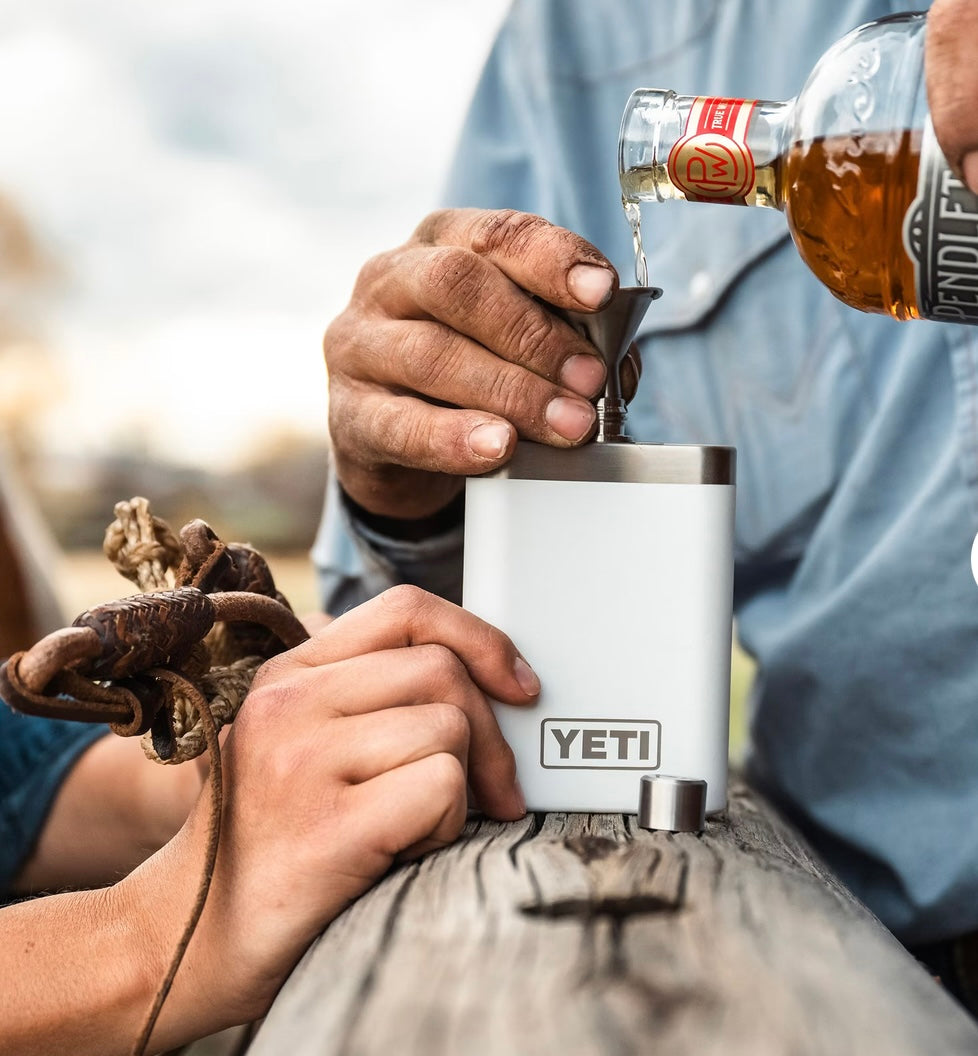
(611, 331)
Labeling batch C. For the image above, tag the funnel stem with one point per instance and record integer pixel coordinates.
(612, 412)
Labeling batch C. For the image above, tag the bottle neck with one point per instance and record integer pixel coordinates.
(703, 149)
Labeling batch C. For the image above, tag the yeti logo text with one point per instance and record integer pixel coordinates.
(599, 744)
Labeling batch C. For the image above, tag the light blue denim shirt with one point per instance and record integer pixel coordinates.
(857, 439)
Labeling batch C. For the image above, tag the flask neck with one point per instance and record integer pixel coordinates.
(703, 149)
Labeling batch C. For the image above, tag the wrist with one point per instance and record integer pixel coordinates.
(400, 493)
(136, 955)
(241, 955)
(160, 896)
(442, 520)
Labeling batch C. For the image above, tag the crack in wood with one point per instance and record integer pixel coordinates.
(614, 908)
(534, 883)
(535, 825)
(367, 983)
(684, 873)
(480, 880)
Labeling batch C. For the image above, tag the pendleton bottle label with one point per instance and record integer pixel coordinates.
(711, 161)
(940, 234)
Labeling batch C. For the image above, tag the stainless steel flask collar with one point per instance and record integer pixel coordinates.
(625, 463)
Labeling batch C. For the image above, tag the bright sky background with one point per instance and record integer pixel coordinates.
(211, 174)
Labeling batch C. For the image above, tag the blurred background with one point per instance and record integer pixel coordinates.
(187, 191)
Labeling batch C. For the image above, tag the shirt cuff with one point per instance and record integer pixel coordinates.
(356, 561)
(433, 563)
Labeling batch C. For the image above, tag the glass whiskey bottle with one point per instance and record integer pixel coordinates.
(871, 203)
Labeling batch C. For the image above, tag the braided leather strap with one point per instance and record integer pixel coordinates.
(146, 631)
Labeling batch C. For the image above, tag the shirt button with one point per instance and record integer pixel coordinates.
(700, 285)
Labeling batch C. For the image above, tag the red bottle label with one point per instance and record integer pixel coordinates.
(711, 161)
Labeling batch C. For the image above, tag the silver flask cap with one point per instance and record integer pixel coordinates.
(675, 804)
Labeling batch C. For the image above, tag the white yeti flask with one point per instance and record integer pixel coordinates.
(610, 567)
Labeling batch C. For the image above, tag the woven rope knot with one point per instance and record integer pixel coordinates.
(129, 562)
(142, 547)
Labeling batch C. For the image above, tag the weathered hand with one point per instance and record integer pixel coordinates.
(952, 83)
(445, 355)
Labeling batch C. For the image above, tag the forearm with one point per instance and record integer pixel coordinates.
(77, 974)
(81, 969)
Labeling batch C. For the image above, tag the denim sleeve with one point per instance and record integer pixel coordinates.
(35, 757)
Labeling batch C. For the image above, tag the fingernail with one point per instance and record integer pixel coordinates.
(571, 419)
(969, 168)
(526, 677)
(590, 284)
(583, 374)
(489, 440)
(520, 796)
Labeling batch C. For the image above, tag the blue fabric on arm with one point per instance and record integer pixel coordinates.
(354, 563)
(35, 757)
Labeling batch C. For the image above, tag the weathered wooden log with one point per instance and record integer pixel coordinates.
(572, 934)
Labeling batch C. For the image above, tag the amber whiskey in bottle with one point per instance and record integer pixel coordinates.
(852, 161)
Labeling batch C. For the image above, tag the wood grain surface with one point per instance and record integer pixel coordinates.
(572, 934)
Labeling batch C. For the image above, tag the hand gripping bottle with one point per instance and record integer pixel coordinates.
(852, 161)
